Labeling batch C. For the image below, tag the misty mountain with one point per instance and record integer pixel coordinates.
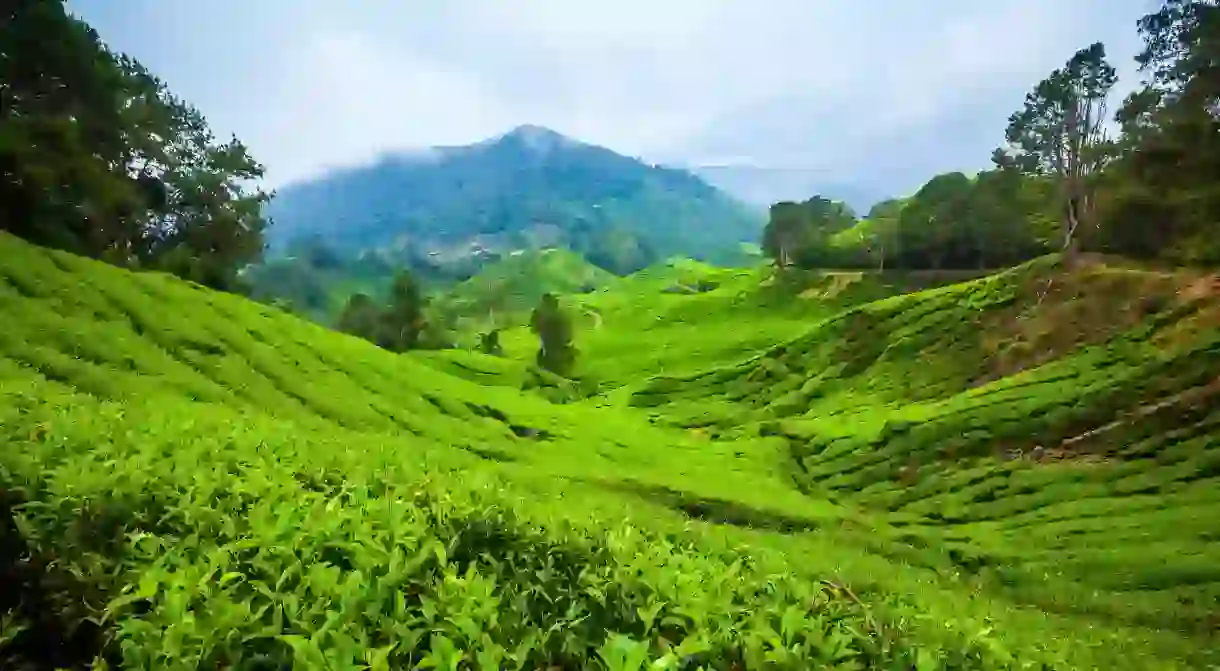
(527, 189)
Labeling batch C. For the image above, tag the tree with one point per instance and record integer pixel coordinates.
(360, 317)
(934, 223)
(97, 157)
(1181, 43)
(61, 130)
(402, 322)
(800, 232)
(783, 232)
(489, 343)
(1163, 197)
(1060, 133)
(1010, 215)
(553, 326)
(885, 240)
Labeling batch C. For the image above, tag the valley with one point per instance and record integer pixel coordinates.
(518, 401)
(204, 473)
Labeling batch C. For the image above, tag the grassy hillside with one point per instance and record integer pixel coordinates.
(1056, 432)
(195, 480)
(508, 289)
(684, 316)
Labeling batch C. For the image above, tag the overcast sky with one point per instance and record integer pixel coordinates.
(309, 84)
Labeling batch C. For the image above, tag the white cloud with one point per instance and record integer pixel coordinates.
(322, 83)
(345, 97)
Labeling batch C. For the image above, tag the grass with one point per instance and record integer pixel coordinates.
(194, 480)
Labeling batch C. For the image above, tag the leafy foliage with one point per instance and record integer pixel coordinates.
(551, 323)
(222, 484)
(399, 326)
(1061, 181)
(1169, 150)
(98, 157)
(1060, 133)
(997, 218)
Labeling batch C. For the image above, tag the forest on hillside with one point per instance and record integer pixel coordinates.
(1069, 176)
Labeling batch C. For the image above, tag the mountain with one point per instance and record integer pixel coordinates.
(529, 188)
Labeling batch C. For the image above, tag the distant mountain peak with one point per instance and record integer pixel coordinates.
(532, 131)
(537, 138)
(528, 187)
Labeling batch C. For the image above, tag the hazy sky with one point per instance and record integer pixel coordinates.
(314, 83)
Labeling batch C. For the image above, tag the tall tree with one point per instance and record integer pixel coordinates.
(783, 232)
(800, 232)
(1171, 141)
(360, 317)
(403, 322)
(935, 220)
(885, 241)
(1060, 132)
(1181, 55)
(99, 158)
(553, 326)
(61, 130)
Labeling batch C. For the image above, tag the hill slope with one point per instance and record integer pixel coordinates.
(507, 290)
(529, 188)
(220, 484)
(1058, 432)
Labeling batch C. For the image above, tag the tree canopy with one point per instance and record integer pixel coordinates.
(1062, 180)
(553, 326)
(99, 158)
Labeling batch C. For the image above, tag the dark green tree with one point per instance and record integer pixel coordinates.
(1162, 195)
(1060, 134)
(402, 323)
(97, 157)
(553, 326)
(934, 222)
(489, 343)
(784, 232)
(360, 317)
(62, 132)
(800, 232)
(884, 241)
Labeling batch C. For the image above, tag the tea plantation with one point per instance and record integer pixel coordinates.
(1013, 472)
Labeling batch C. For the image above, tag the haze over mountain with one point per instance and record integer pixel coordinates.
(799, 84)
(528, 188)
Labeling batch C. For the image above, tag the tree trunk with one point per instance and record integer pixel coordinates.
(1071, 243)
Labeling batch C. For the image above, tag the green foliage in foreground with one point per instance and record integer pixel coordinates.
(223, 485)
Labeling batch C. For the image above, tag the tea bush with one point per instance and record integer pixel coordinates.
(192, 480)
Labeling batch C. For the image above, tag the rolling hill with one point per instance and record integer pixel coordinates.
(504, 292)
(192, 479)
(526, 189)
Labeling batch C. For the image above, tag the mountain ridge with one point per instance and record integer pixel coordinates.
(527, 188)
